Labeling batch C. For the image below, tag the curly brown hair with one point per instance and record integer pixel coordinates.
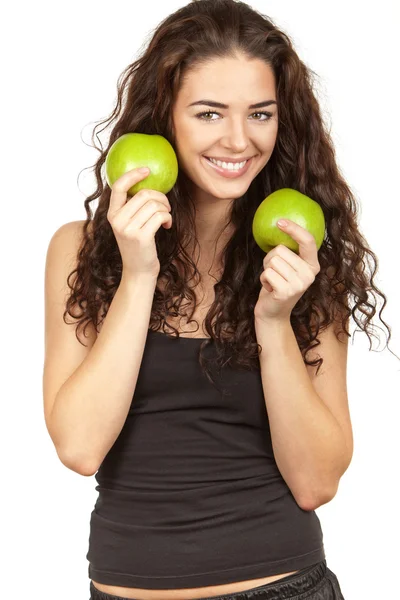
(303, 159)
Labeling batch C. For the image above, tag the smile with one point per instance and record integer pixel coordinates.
(229, 170)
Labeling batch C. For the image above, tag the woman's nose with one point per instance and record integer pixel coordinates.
(236, 136)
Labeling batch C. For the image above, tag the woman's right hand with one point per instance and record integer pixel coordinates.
(134, 221)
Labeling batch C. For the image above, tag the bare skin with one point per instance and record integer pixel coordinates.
(184, 594)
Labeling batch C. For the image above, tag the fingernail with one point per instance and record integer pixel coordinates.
(282, 223)
(144, 170)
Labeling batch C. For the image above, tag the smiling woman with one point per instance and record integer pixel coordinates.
(211, 453)
(209, 155)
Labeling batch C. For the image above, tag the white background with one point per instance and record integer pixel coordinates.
(60, 68)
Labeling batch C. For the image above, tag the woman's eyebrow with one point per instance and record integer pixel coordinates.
(220, 105)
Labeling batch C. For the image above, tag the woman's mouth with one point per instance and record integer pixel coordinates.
(229, 170)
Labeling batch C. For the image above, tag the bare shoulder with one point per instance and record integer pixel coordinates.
(70, 233)
(63, 250)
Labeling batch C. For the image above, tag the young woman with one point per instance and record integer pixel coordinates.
(211, 449)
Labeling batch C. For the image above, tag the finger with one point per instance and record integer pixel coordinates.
(274, 279)
(119, 190)
(284, 269)
(268, 286)
(286, 254)
(307, 246)
(144, 196)
(142, 211)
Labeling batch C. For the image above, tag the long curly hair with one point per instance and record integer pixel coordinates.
(303, 159)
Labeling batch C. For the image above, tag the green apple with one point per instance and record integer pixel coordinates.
(287, 203)
(135, 150)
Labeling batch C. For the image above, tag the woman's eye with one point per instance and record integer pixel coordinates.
(202, 116)
(265, 114)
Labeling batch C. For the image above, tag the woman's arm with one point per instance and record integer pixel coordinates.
(312, 450)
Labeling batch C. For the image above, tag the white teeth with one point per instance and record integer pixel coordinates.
(229, 166)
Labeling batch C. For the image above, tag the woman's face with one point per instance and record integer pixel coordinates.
(235, 132)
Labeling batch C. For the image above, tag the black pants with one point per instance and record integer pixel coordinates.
(313, 583)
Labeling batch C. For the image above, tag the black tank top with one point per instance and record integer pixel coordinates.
(190, 494)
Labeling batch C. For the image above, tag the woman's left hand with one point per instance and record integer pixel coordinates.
(286, 275)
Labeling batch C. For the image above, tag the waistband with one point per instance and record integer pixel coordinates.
(288, 587)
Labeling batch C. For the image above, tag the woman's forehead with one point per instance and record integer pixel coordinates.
(227, 77)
